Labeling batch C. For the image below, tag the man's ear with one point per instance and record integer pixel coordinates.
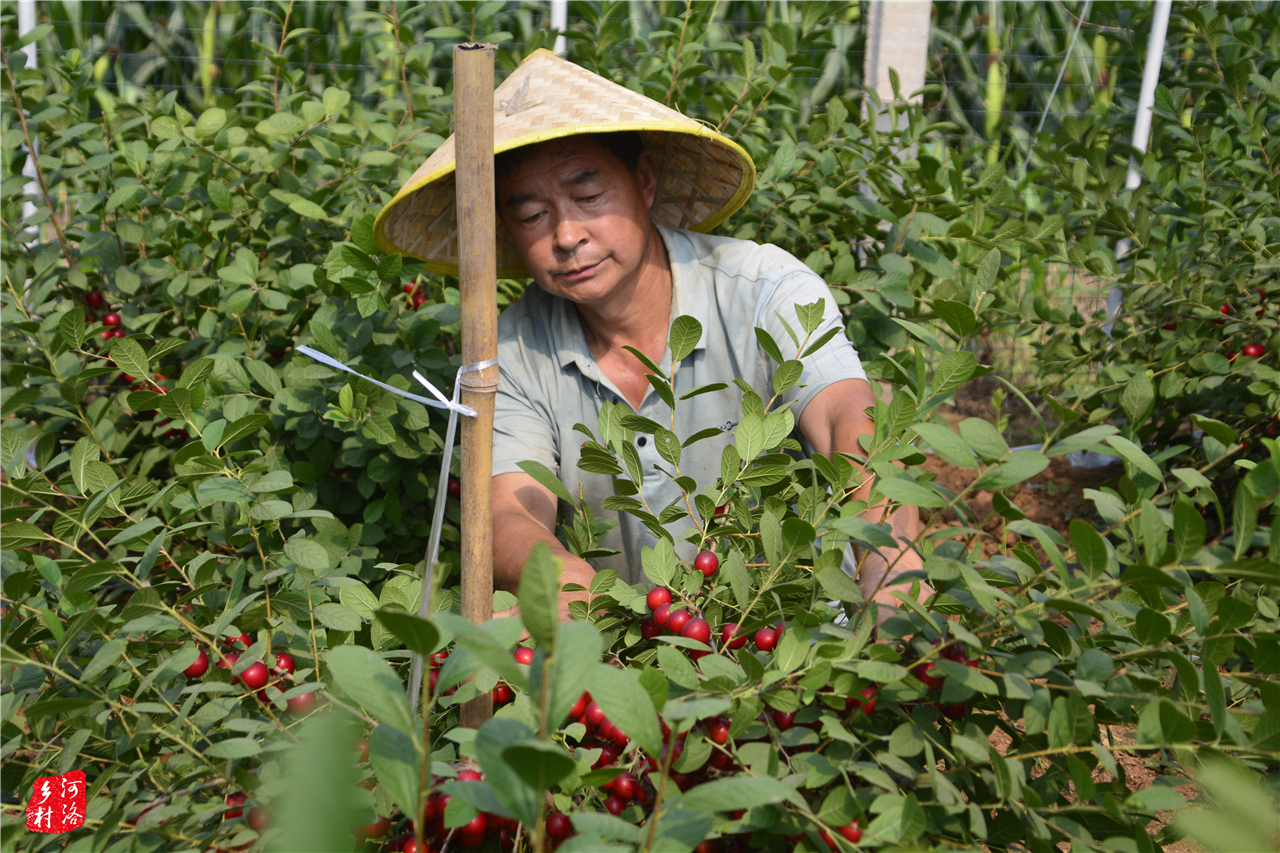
(647, 177)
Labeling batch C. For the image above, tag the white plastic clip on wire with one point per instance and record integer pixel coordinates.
(437, 522)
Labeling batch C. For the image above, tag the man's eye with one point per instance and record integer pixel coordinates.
(590, 198)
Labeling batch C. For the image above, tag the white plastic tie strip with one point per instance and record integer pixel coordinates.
(437, 522)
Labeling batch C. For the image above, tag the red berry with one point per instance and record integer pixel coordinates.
(524, 655)
(722, 509)
(111, 319)
(419, 301)
(256, 676)
(614, 805)
(559, 826)
(718, 731)
(766, 639)
(94, 299)
(783, 719)
(657, 597)
(608, 755)
(580, 707)
(469, 776)
(362, 746)
(697, 629)
(826, 837)
(502, 694)
(595, 715)
(1231, 356)
(729, 640)
(199, 668)
(677, 621)
(106, 334)
(284, 663)
(243, 639)
(408, 288)
(303, 704)
(228, 660)
(378, 828)
(851, 832)
(473, 832)
(931, 682)
(1172, 327)
(1254, 350)
(706, 562)
(117, 333)
(236, 799)
(624, 787)
(708, 846)
(954, 711)
(867, 704)
(649, 629)
(1225, 308)
(438, 659)
(408, 845)
(259, 818)
(661, 615)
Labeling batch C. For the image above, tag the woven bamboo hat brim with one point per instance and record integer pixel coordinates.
(703, 177)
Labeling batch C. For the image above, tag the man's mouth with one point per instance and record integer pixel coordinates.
(579, 273)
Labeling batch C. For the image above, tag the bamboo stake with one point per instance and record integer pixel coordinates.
(477, 273)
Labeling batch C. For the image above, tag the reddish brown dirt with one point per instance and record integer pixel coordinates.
(1052, 498)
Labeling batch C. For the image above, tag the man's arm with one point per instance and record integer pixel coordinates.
(524, 513)
(833, 421)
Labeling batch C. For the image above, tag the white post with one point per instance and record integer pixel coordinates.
(560, 21)
(897, 38)
(1141, 132)
(27, 23)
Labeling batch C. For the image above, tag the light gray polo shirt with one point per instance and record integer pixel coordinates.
(550, 380)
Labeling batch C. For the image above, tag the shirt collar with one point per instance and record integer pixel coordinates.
(689, 296)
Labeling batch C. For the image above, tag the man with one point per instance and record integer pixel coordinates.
(578, 209)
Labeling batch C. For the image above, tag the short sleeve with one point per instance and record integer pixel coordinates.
(835, 361)
(522, 430)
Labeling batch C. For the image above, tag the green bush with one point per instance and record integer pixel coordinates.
(232, 498)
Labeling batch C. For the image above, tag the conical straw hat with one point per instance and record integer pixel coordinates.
(703, 177)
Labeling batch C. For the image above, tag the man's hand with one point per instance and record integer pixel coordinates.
(524, 513)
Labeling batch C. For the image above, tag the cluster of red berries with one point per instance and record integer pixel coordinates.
(933, 679)
(257, 675)
(414, 298)
(469, 836)
(663, 619)
(94, 300)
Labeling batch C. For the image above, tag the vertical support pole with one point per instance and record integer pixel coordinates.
(897, 38)
(560, 21)
(1141, 133)
(27, 23)
(478, 282)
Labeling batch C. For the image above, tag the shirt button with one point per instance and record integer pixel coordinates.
(642, 441)
(615, 399)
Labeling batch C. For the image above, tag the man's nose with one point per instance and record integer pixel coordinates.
(569, 234)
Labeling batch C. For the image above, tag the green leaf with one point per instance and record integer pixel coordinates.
(334, 101)
(309, 209)
(685, 334)
(393, 755)
(1244, 515)
(210, 122)
(907, 491)
(1091, 549)
(1020, 466)
(83, 453)
(307, 554)
(107, 654)
(370, 681)
(577, 643)
(236, 747)
(1134, 455)
(985, 439)
(949, 446)
(520, 798)
(338, 617)
(1082, 440)
(838, 585)
(627, 705)
(1155, 798)
(957, 315)
(71, 327)
(543, 475)
(1138, 399)
(540, 764)
(749, 436)
(539, 595)
(130, 357)
(810, 316)
(224, 489)
(418, 635)
(736, 792)
(244, 427)
(954, 370)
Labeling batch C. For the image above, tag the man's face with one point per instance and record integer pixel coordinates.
(579, 217)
